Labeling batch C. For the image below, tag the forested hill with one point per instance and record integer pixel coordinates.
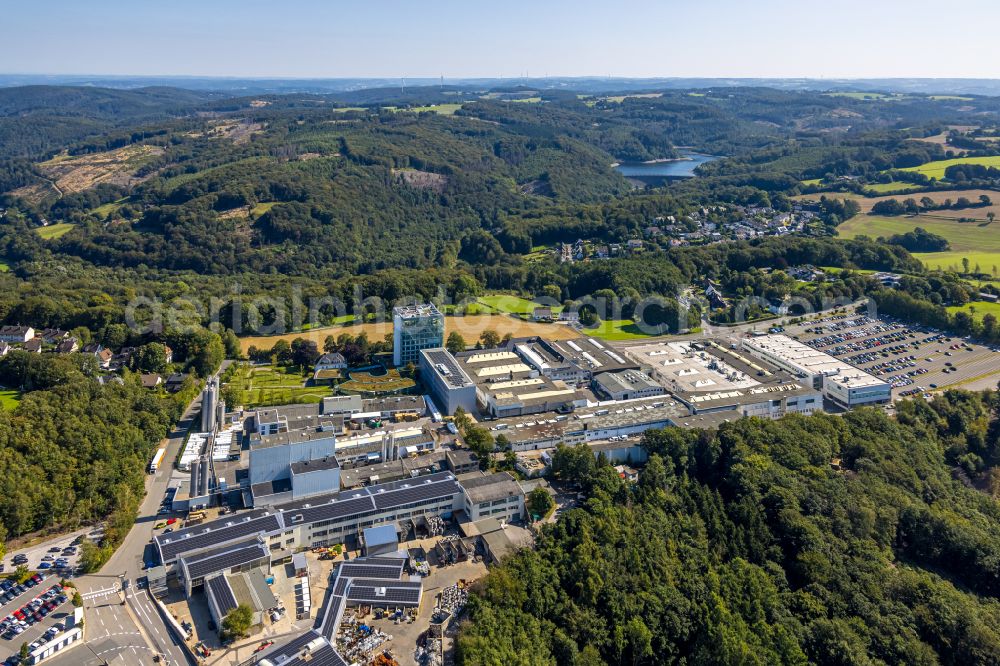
(365, 181)
(35, 120)
(745, 546)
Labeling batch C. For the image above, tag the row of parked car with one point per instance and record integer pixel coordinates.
(9, 590)
(33, 611)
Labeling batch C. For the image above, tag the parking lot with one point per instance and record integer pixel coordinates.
(59, 555)
(914, 359)
(33, 613)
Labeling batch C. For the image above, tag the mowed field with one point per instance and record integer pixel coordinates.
(979, 242)
(978, 308)
(54, 230)
(936, 169)
(9, 398)
(470, 328)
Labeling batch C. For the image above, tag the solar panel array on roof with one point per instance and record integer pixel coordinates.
(219, 588)
(216, 533)
(419, 491)
(383, 595)
(292, 647)
(224, 558)
(368, 571)
(331, 616)
(322, 656)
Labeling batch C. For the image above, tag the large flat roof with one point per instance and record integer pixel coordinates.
(446, 367)
(811, 361)
(417, 310)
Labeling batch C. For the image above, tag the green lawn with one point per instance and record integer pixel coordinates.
(617, 329)
(886, 188)
(963, 236)
(508, 304)
(4, 266)
(9, 399)
(105, 211)
(812, 181)
(262, 208)
(275, 386)
(978, 308)
(952, 261)
(54, 230)
(936, 169)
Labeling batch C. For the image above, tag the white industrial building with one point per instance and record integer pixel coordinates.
(840, 382)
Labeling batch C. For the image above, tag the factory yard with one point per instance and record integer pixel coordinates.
(915, 359)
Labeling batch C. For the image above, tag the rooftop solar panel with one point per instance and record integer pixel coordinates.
(369, 571)
(212, 534)
(391, 595)
(219, 588)
(224, 558)
(417, 492)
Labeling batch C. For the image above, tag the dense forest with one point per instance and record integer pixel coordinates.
(747, 546)
(74, 450)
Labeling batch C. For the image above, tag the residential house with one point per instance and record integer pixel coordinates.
(68, 346)
(714, 296)
(627, 473)
(328, 367)
(104, 356)
(33, 346)
(175, 382)
(541, 314)
(150, 380)
(16, 333)
(4, 348)
(53, 336)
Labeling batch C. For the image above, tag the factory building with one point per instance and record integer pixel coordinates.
(627, 385)
(839, 382)
(496, 496)
(449, 384)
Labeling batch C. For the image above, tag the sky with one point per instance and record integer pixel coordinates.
(505, 38)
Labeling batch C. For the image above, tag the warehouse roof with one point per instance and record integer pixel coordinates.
(488, 487)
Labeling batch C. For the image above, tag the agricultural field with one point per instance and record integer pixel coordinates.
(975, 212)
(952, 261)
(978, 309)
(367, 382)
(979, 242)
(469, 326)
(54, 230)
(863, 95)
(271, 385)
(936, 169)
(444, 109)
(885, 188)
(81, 172)
(9, 399)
